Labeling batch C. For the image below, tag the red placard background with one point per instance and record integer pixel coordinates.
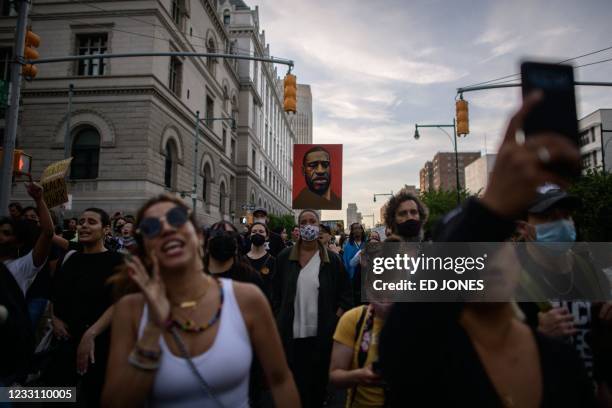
(335, 152)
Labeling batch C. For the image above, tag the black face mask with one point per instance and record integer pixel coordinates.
(409, 229)
(222, 247)
(258, 240)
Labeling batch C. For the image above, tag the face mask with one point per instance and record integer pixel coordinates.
(258, 240)
(222, 248)
(261, 220)
(309, 232)
(409, 229)
(557, 235)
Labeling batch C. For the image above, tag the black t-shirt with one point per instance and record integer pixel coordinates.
(81, 293)
(242, 272)
(16, 333)
(428, 359)
(41, 287)
(266, 267)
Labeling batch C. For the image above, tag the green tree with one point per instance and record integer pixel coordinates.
(594, 218)
(286, 221)
(440, 202)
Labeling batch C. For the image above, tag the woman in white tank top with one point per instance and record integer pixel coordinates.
(183, 312)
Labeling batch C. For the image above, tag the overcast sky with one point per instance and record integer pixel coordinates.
(378, 67)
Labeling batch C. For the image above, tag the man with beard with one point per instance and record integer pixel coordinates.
(405, 217)
(316, 167)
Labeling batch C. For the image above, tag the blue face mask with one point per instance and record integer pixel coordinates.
(557, 236)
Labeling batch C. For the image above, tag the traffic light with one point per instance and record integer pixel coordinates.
(290, 102)
(32, 41)
(463, 127)
(22, 163)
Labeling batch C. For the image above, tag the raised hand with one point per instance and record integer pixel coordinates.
(152, 288)
(521, 167)
(34, 190)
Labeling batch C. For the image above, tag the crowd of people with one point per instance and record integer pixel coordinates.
(155, 309)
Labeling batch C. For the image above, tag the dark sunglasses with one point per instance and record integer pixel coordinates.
(151, 227)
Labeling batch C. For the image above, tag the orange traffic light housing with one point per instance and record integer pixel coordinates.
(32, 41)
(22, 163)
(463, 126)
(290, 91)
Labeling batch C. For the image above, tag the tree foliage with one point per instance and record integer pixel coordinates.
(594, 218)
(440, 202)
(285, 221)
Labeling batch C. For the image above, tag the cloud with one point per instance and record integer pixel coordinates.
(377, 68)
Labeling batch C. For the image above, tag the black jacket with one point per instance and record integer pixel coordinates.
(428, 359)
(334, 293)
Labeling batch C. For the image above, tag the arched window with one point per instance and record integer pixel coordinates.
(225, 98)
(210, 61)
(86, 153)
(222, 196)
(234, 108)
(206, 178)
(252, 202)
(170, 165)
(226, 17)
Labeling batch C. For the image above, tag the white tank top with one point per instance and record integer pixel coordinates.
(225, 365)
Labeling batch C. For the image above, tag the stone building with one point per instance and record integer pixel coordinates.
(440, 173)
(265, 134)
(133, 120)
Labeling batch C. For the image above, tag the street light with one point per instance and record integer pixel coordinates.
(441, 127)
(382, 194)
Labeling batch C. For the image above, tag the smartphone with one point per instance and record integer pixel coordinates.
(556, 112)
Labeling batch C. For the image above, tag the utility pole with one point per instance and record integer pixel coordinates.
(13, 108)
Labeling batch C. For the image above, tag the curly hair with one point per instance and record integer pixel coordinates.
(394, 203)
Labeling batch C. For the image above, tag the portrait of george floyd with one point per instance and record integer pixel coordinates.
(317, 176)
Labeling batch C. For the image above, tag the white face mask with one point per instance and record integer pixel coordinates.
(261, 220)
(309, 232)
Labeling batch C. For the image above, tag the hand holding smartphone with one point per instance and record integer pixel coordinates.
(556, 112)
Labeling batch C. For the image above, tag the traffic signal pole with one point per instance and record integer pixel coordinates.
(13, 107)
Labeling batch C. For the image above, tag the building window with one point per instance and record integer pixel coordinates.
(170, 165)
(210, 111)
(222, 196)
(233, 150)
(253, 162)
(91, 44)
(5, 63)
(211, 61)
(224, 139)
(176, 74)
(226, 17)
(225, 98)
(206, 178)
(86, 154)
(177, 14)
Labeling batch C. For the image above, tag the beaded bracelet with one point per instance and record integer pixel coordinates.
(148, 354)
(133, 360)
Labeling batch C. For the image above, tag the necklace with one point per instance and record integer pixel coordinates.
(191, 326)
(190, 303)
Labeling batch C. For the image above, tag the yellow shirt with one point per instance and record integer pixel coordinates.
(345, 334)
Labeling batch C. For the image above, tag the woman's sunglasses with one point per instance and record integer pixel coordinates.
(151, 227)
